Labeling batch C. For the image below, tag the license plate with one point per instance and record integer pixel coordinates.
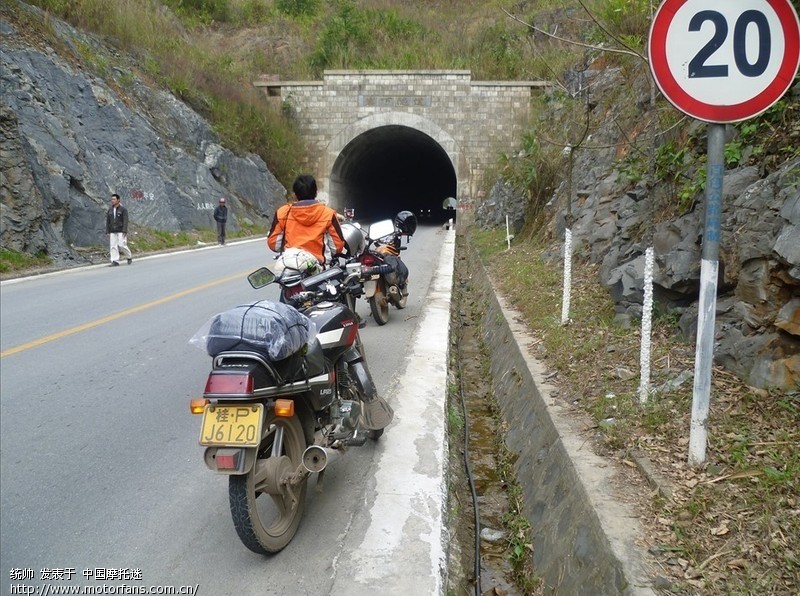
(232, 426)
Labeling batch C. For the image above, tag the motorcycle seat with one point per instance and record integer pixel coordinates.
(303, 364)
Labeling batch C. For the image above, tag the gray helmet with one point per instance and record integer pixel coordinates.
(353, 238)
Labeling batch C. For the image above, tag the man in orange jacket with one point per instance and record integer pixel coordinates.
(306, 223)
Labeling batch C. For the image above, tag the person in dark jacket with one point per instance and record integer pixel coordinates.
(117, 231)
(221, 217)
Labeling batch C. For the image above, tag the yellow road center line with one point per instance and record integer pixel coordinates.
(114, 317)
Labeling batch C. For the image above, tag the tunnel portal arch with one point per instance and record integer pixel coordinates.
(439, 124)
(393, 161)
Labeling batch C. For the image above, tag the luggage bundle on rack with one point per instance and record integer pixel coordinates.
(272, 329)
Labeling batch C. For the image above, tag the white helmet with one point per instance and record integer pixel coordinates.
(354, 239)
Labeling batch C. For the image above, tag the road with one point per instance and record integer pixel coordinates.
(99, 462)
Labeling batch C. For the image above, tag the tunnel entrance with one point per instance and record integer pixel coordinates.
(393, 168)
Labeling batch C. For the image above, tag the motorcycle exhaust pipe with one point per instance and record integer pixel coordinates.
(316, 458)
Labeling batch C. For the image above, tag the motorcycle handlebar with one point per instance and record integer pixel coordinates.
(320, 278)
(322, 286)
(315, 288)
(378, 270)
(301, 298)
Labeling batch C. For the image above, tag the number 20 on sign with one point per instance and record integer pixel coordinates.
(724, 60)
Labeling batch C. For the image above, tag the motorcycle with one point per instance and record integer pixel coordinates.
(288, 393)
(294, 265)
(383, 246)
(290, 268)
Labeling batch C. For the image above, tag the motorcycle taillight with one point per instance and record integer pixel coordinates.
(229, 384)
(369, 260)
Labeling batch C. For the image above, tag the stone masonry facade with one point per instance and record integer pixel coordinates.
(473, 121)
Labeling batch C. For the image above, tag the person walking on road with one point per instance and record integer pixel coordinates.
(221, 217)
(117, 231)
(307, 224)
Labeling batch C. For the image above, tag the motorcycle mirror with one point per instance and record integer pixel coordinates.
(381, 228)
(261, 277)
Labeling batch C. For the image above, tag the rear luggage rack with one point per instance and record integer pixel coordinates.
(281, 387)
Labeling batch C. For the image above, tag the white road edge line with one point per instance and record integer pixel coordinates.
(404, 548)
(16, 280)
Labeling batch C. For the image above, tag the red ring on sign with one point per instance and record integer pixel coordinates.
(672, 90)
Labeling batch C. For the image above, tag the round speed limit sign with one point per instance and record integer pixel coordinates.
(724, 61)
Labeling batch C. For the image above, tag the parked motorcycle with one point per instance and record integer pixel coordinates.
(290, 268)
(294, 265)
(289, 392)
(383, 246)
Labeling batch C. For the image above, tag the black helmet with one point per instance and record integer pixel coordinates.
(406, 222)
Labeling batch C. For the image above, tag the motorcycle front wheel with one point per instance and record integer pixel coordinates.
(379, 305)
(267, 525)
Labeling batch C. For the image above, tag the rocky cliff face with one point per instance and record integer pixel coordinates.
(69, 139)
(758, 303)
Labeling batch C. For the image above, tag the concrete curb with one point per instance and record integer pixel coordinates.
(404, 546)
(586, 541)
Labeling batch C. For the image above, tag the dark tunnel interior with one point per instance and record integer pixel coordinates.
(390, 169)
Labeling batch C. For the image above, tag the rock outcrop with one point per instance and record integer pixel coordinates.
(758, 302)
(69, 139)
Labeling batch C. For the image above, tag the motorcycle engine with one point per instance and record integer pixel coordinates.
(349, 411)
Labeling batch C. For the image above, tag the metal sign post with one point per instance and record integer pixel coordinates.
(720, 62)
(706, 311)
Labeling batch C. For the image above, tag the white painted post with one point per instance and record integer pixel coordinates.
(567, 292)
(647, 326)
(707, 305)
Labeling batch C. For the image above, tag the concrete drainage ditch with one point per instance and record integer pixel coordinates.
(584, 537)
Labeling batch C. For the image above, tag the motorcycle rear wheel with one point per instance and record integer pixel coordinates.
(379, 305)
(265, 527)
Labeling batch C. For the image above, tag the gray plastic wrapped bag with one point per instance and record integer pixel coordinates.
(273, 329)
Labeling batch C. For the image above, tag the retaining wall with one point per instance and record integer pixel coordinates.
(585, 538)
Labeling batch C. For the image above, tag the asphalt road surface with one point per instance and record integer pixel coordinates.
(100, 468)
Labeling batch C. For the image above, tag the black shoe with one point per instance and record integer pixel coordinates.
(114, 264)
(130, 260)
